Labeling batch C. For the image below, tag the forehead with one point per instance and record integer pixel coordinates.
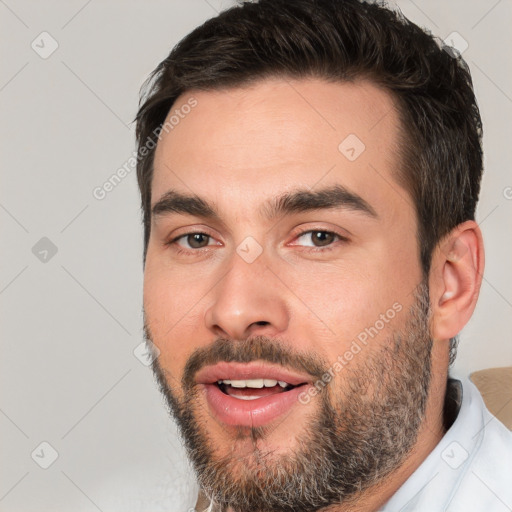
(240, 145)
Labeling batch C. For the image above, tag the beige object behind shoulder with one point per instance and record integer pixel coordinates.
(495, 385)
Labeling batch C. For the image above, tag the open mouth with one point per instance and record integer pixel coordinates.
(251, 394)
(253, 389)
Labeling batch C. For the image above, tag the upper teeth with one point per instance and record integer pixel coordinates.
(253, 383)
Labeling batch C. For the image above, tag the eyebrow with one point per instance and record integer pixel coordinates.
(335, 197)
(298, 201)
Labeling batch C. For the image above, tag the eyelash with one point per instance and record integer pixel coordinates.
(330, 247)
(180, 250)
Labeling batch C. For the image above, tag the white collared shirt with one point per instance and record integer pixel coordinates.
(469, 470)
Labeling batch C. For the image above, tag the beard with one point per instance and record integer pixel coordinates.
(365, 422)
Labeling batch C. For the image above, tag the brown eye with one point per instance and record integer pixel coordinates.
(317, 238)
(322, 238)
(197, 240)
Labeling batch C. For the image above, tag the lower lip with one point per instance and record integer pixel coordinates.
(250, 413)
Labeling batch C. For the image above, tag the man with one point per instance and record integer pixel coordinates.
(309, 173)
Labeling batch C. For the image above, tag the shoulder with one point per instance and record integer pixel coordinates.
(485, 479)
(471, 467)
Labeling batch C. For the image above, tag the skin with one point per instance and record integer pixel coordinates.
(239, 148)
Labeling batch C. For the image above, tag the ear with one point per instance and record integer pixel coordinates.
(455, 279)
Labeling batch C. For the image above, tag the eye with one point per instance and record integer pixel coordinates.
(192, 240)
(318, 238)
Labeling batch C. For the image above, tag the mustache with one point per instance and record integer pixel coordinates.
(259, 348)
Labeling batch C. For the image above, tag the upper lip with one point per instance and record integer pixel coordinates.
(253, 370)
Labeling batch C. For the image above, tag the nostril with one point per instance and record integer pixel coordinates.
(262, 322)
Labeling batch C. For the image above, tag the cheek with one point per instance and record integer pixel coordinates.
(343, 305)
(361, 299)
(172, 292)
(172, 303)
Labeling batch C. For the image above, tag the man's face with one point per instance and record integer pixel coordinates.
(296, 262)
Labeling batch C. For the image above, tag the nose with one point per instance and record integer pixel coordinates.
(247, 301)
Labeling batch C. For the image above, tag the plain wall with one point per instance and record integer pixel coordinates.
(72, 320)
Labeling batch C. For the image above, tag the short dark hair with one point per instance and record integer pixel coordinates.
(340, 40)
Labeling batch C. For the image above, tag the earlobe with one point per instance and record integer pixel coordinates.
(456, 278)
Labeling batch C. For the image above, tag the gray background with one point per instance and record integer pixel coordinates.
(72, 320)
